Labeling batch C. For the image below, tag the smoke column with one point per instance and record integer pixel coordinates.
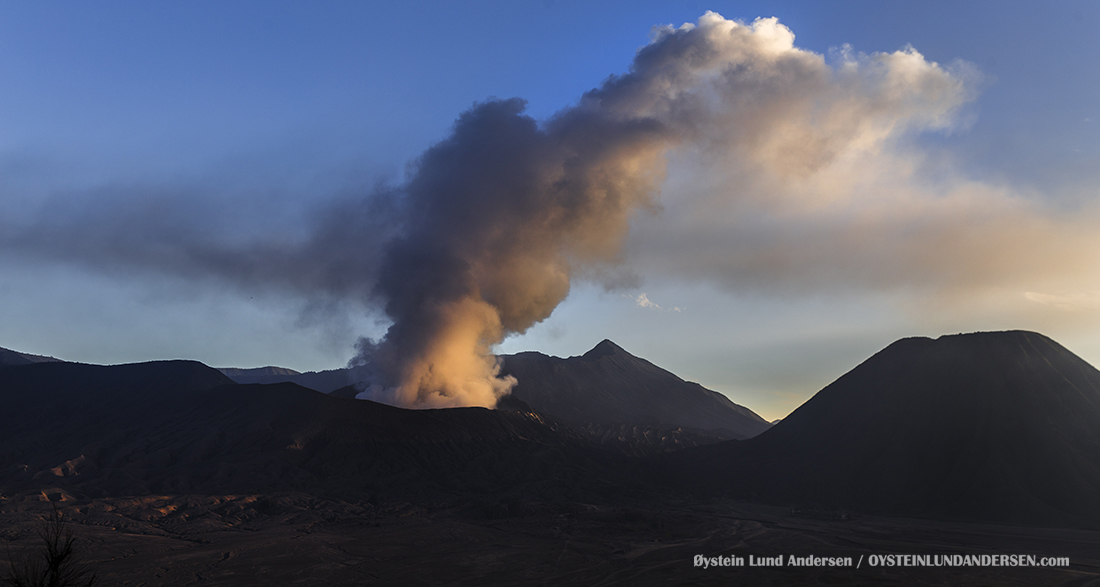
(782, 167)
(500, 215)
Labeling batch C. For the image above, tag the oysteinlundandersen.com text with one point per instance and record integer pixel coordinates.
(884, 560)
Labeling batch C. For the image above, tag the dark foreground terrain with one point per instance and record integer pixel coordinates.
(294, 539)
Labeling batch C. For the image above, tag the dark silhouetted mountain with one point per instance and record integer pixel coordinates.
(999, 427)
(995, 426)
(41, 398)
(176, 467)
(608, 385)
(10, 358)
(179, 427)
(322, 381)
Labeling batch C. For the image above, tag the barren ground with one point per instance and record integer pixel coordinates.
(294, 539)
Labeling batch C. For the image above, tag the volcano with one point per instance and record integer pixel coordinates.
(608, 385)
(77, 431)
(994, 426)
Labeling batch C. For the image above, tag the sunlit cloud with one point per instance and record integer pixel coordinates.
(1070, 302)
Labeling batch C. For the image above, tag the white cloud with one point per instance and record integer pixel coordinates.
(642, 301)
(1070, 302)
(801, 176)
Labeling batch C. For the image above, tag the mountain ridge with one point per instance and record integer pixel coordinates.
(606, 370)
(996, 427)
(175, 427)
(999, 426)
(608, 385)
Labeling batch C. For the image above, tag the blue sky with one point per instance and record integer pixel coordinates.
(246, 115)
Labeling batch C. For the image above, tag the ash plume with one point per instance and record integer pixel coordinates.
(503, 213)
(498, 217)
(778, 154)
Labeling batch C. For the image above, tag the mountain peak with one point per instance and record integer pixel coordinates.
(604, 349)
(608, 385)
(999, 426)
(986, 336)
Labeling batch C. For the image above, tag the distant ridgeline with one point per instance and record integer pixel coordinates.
(322, 381)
